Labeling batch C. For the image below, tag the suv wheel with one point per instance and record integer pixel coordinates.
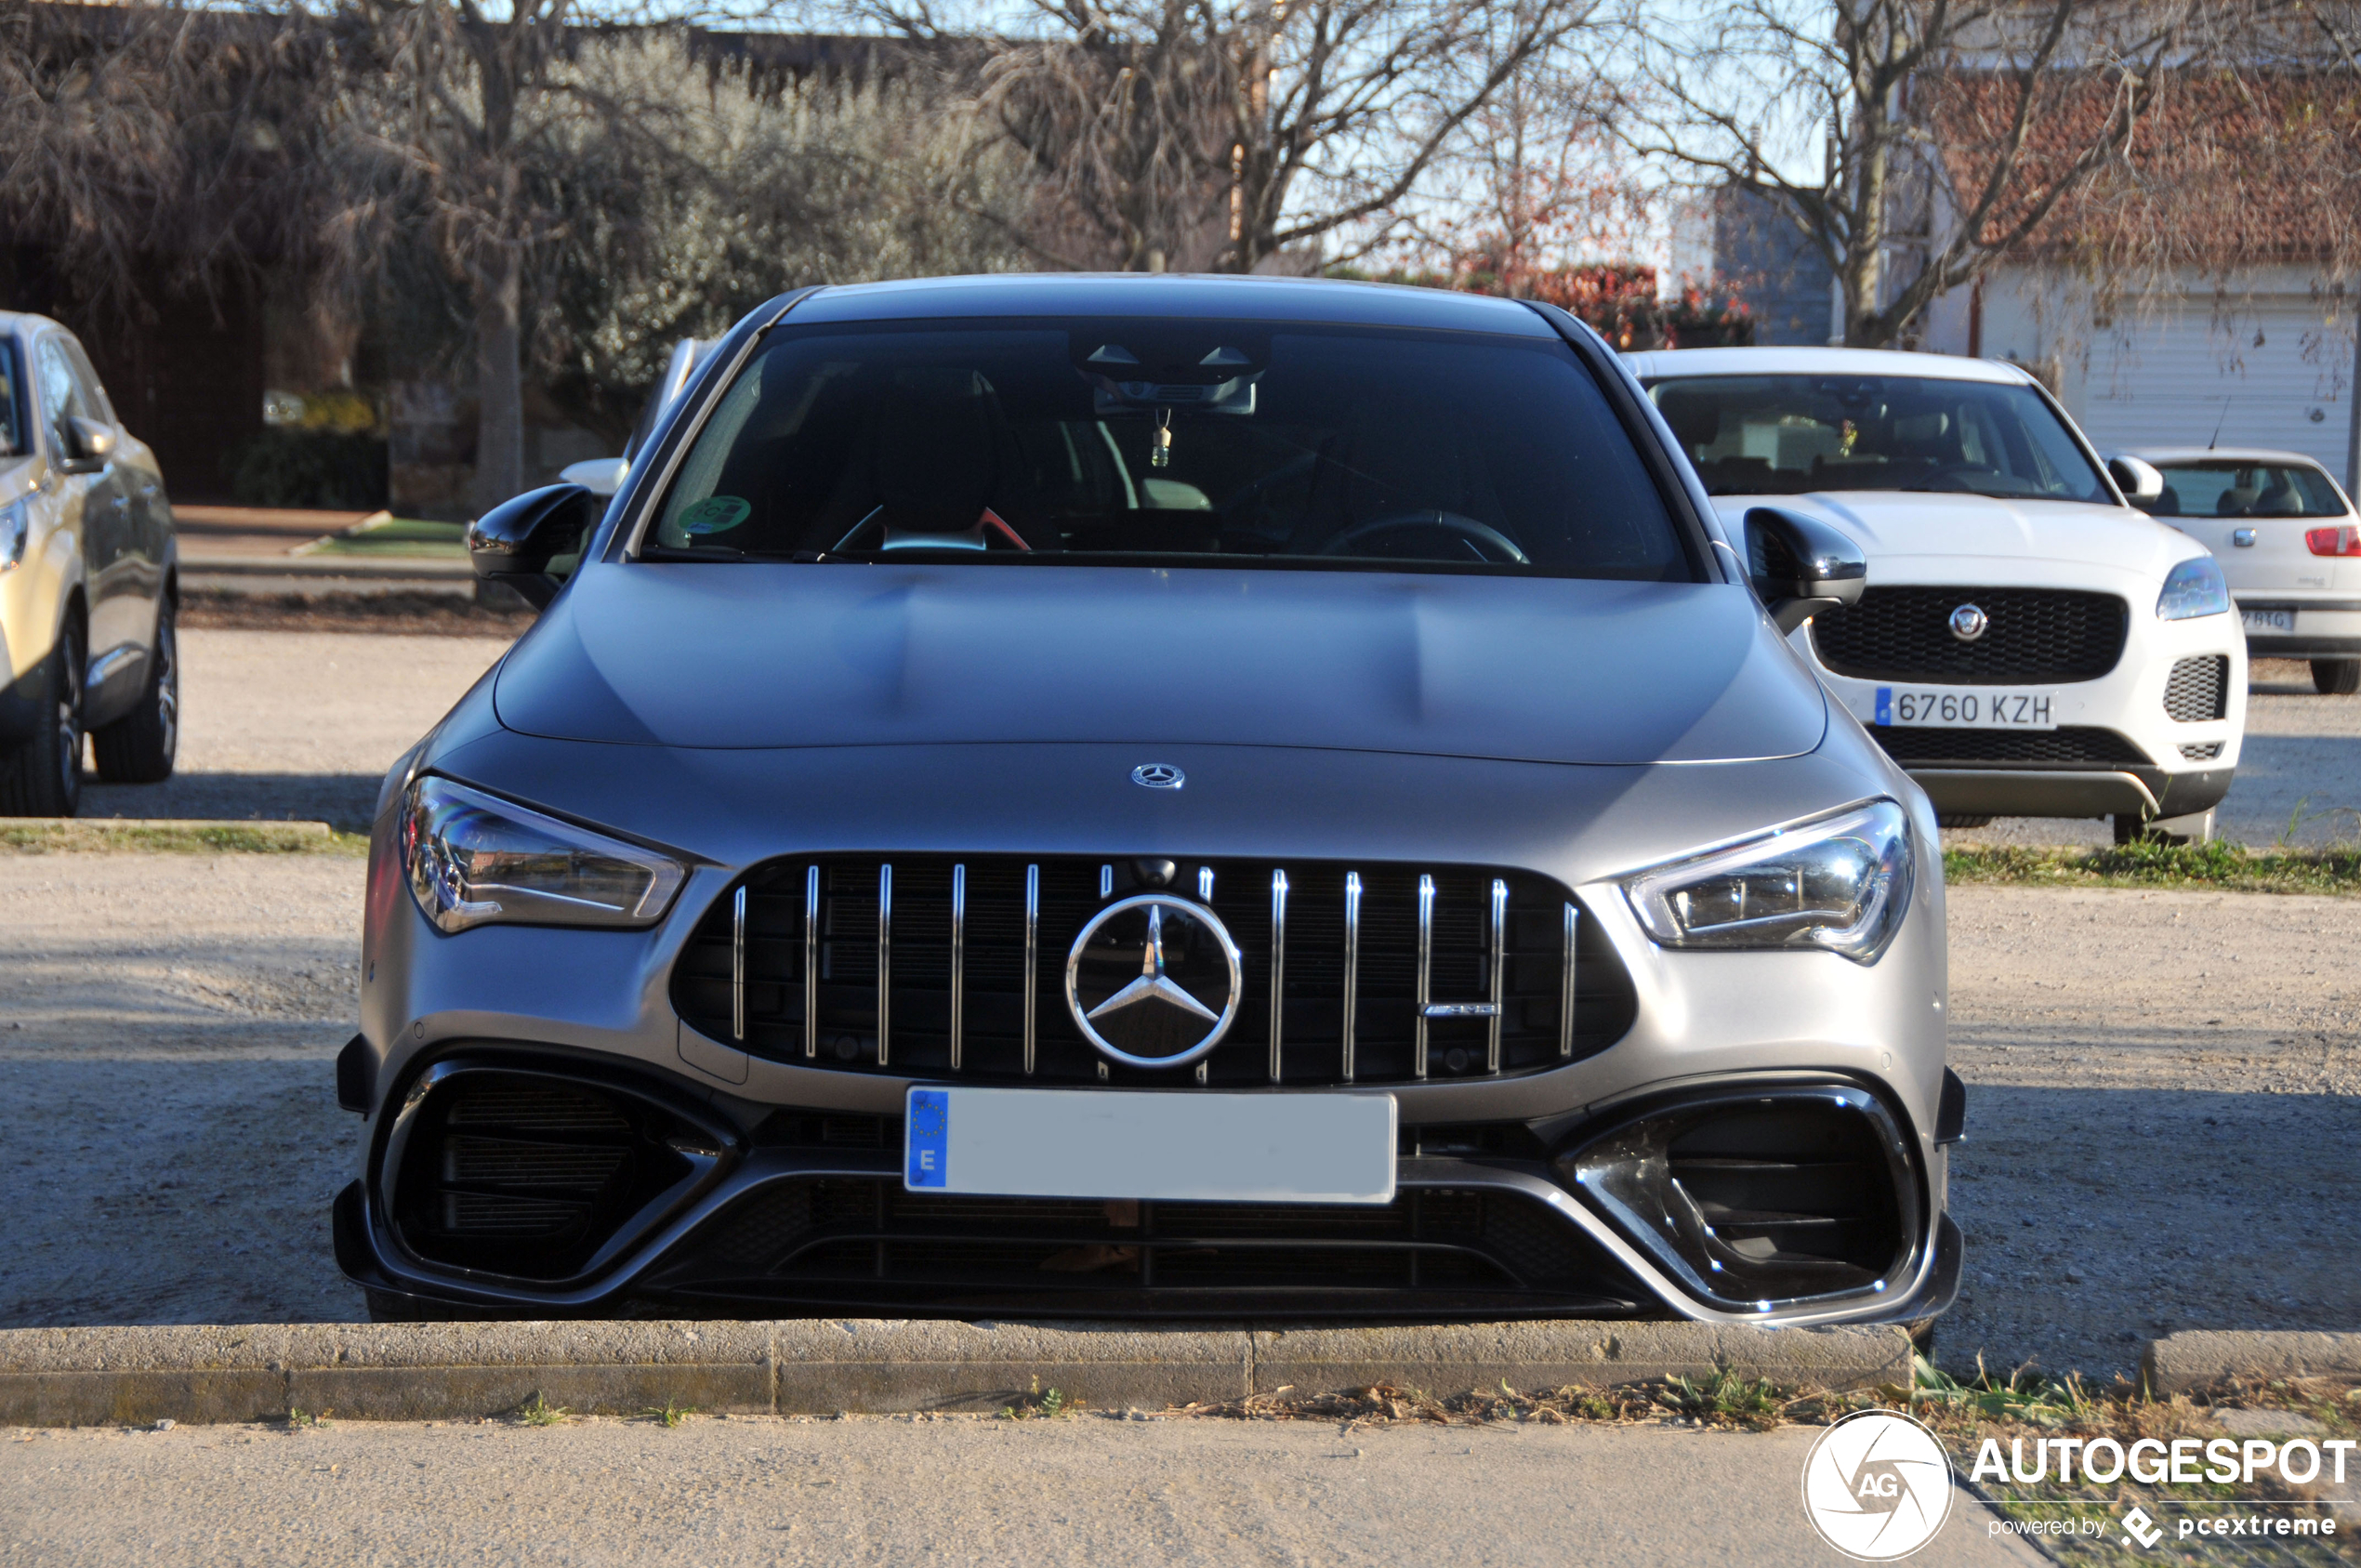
(139, 748)
(42, 777)
(2336, 678)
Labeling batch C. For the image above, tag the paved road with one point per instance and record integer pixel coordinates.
(1087, 1492)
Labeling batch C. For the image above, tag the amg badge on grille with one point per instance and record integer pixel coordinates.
(1153, 980)
(1969, 622)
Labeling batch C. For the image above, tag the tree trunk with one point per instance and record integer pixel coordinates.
(499, 381)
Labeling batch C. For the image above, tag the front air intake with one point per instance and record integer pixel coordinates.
(527, 1175)
(1762, 1199)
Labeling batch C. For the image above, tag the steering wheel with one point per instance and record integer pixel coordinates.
(1483, 541)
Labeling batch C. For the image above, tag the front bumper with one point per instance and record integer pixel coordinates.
(2323, 628)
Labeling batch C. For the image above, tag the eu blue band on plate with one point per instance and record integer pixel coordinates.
(929, 1142)
(1885, 705)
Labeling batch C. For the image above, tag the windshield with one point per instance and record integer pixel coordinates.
(2228, 489)
(1788, 435)
(1189, 442)
(12, 432)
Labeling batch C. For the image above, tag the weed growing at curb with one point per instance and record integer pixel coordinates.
(1039, 1403)
(299, 1419)
(99, 836)
(671, 1415)
(2221, 865)
(539, 1412)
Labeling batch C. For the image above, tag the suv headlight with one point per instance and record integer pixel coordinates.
(16, 523)
(2193, 588)
(474, 858)
(1839, 883)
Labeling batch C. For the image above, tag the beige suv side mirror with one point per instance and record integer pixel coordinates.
(89, 444)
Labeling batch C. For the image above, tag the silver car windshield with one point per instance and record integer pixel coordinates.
(1792, 435)
(2221, 488)
(1238, 443)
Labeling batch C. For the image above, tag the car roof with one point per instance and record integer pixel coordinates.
(2182, 456)
(1171, 293)
(1662, 364)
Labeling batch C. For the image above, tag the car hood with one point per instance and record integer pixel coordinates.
(1893, 526)
(1548, 670)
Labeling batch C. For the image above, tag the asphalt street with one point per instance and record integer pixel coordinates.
(1088, 1491)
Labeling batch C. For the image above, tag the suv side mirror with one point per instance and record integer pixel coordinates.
(515, 541)
(2139, 481)
(88, 445)
(1800, 566)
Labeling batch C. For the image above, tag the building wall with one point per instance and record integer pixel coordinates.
(1761, 257)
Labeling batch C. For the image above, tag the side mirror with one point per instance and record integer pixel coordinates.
(515, 541)
(1800, 566)
(2140, 482)
(88, 444)
(599, 476)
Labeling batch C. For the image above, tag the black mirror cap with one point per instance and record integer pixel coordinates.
(518, 538)
(2139, 480)
(1800, 566)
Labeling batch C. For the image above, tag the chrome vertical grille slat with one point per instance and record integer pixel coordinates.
(738, 965)
(1498, 993)
(958, 963)
(971, 951)
(1351, 967)
(1278, 970)
(885, 963)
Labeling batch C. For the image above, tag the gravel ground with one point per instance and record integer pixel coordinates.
(2301, 763)
(2165, 1095)
(297, 725)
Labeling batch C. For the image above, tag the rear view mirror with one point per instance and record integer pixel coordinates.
(515, 541)
(1800, 566)
(2140, 482)
(88, 444)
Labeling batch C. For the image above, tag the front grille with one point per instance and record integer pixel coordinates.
(2204, 753)
(2199, 689)
(2032, 635)
(2067, 746)
(526, 1176)
(826, 1236)
(790, 970)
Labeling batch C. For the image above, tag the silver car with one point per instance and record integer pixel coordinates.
(1150, 796)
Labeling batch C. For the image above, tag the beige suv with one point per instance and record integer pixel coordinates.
(87, 582)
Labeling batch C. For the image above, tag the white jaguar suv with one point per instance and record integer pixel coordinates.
(2033, 644)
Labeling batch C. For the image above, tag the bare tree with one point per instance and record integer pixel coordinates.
(1904, 204)
(1236, 129)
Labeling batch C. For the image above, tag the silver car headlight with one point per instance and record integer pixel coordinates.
(1839, 883)
(474, 858)
(2194, 589)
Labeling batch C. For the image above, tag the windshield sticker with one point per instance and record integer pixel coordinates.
(716, 514)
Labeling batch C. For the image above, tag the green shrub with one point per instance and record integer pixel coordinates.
(331, 469)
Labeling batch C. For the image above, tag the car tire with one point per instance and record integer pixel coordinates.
(139, 748)
(2336, 678)
(2130, 827)
(42, 777)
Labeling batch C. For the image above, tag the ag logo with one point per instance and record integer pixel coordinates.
(1877, 1486)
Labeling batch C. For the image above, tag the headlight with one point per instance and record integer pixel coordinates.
(16, 522)
(474, 858)
(1840, 883)
(2193, 588)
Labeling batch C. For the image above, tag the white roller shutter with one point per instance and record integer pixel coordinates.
(2273, 373)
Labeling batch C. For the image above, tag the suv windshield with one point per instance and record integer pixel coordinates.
(1788, 435)
(2220, 488)
(1237, 443)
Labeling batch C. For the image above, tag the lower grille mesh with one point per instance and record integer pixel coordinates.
(2199, 689)
(2067, 746)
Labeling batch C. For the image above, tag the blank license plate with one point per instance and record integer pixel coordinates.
(2268, 620)
(1084, 1143)
(1961, 707)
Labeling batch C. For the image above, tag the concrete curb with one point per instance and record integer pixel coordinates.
(410, 1372)
(2181, 1362)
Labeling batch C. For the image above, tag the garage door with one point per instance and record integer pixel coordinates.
(2273, 373)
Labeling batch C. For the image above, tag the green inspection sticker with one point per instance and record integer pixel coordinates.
(715, 514)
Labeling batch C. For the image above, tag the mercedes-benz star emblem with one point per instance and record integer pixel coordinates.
(1153, 980)
(1158, 776)
(1969, 622)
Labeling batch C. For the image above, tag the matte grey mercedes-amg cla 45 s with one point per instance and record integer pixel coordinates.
(1155, 796)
